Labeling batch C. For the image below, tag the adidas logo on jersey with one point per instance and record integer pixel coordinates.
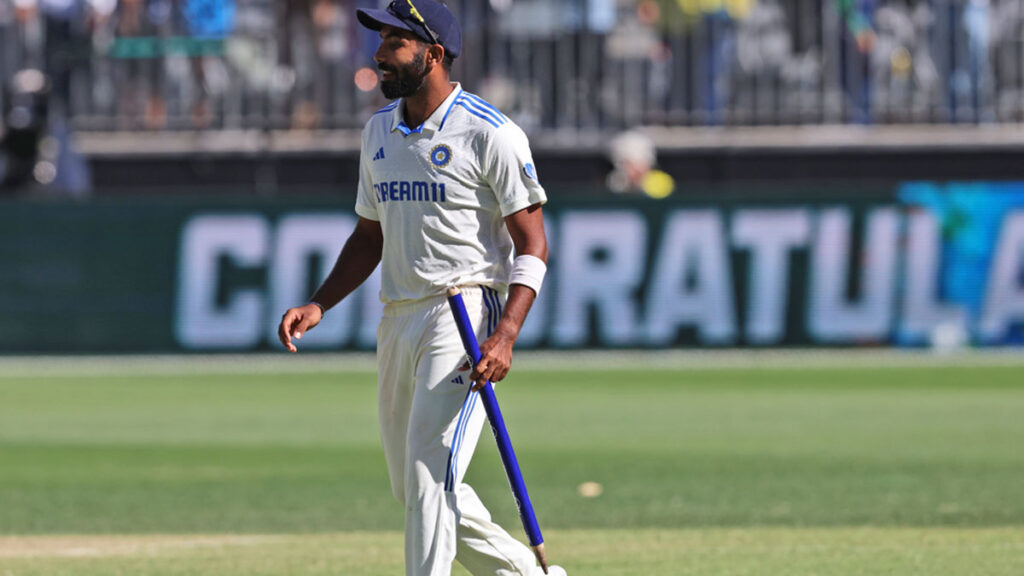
(379, 155)
(457, 380)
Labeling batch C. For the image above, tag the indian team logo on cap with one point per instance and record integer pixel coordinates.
(440, 155)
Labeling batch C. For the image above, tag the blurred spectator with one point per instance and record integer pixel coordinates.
(30, 36)
(858, 16)
(634, 171)
(144, 82)
(66, 46)
(207, 20)
(904, 76)
(94, 89)
(298, 55)
(771, 79)
(978, 25)
(763, 48)
(1008, 47)
(721, 60)
(331, 21)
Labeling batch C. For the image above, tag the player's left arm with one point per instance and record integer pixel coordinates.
(527, 230)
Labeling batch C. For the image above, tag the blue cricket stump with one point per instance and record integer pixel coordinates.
(508, 455)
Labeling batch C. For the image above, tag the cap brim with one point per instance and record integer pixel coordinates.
(377, 19)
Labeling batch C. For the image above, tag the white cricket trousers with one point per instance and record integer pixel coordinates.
(430, 423)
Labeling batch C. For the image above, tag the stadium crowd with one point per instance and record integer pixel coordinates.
(555, 64)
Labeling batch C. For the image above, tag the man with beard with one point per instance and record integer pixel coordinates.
(447, 190)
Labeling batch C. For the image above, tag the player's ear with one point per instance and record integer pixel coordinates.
(435, 54)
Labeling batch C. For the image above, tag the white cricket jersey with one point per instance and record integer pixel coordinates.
(441, 193)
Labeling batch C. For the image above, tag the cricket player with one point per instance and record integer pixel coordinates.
(447, 191)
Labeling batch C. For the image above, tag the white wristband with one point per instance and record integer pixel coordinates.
(529, 271)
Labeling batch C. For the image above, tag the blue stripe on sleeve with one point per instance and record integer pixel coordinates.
(485, 108)
(480, 113)
(488, 120)
(485, 104)
(474, 110)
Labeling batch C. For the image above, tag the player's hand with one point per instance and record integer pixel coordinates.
(495, 360)
(296, 322)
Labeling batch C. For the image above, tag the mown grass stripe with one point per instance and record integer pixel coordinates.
(561, 361)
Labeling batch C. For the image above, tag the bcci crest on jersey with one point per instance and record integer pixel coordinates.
(440, 155)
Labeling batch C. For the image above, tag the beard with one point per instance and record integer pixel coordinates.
(405, 79)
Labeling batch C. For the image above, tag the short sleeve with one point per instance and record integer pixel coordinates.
(509, 169)
(366, 199)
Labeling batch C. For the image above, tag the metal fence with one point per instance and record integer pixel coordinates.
(563, 65)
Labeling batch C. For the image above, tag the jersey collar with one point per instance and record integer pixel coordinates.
(434, 123)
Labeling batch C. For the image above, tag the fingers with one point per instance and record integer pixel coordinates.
(285, 329)
(480, 376)
(491, 368)
(296, 322)
(303, 326)
(293, 325)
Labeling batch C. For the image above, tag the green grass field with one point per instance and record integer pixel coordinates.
(862, 468)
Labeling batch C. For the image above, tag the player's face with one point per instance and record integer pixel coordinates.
(401, 59)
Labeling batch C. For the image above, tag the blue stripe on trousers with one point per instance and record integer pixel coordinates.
(493, 304)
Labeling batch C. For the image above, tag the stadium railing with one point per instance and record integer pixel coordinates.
(563, 67)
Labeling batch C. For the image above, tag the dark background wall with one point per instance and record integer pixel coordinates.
(701, 167)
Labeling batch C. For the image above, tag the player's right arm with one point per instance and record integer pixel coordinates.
(359, 257)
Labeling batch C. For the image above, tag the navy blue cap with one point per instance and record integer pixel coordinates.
(437, 21)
